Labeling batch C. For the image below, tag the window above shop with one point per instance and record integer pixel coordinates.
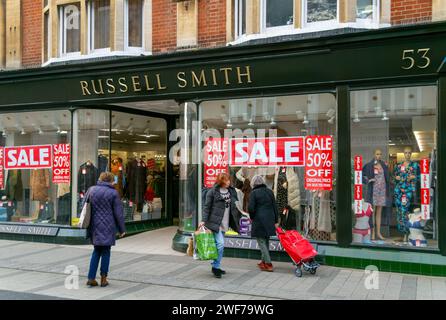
(277, 18)
(89, 29)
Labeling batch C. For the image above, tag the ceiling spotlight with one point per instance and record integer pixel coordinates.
(4, 134)
(330, 113)
(385, 118)
(331, 120)
(305, 120)
(251, 124)
(23, 132)
(229, 124)
(356, 119)
(273, 122)
(40, 131)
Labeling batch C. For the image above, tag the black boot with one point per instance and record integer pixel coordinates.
(217, 272)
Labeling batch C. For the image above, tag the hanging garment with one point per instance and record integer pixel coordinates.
(64, 210)
(46, 212)
(136, 180)
(14, 185)
(405, 192)
(280, 190)
(117, 170)
(102, 163)
(63, 189)
(88, 176)
(40, 184)
(324, 218)
(286, 188)
(368, 173)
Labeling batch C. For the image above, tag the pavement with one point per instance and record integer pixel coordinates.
(145, 267)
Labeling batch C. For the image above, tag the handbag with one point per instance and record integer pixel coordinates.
(85, 218)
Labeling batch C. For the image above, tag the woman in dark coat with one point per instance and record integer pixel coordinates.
(107, 214)
(263, 211)
(219, 214)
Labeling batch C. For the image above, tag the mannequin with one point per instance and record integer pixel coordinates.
(286, 189)
(406, 176)
(361, 231)
(376, 177)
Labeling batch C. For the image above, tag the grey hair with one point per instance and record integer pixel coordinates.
(257, 180)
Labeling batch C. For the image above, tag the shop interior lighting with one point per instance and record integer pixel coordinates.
(40, 131)
(356, 119)
(4, 134)
(273, 122)
(385, 118)
(305, 120)
(23, 132)
(251, 124)
(331, 113)
(229, 124)
(331, 120)
(266, 116)
(141, 142)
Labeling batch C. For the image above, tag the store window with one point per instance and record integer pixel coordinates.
(320, 11)
(367, 11)
(394, 176)
(183, 154)
(91, 139)
(70, 34)
(278, 13)
(133, 11)
(291, 142)
(99, 25)
(35, 157)
(139, 162)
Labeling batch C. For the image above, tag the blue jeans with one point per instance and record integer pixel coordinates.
(100, 253)
(220, 242)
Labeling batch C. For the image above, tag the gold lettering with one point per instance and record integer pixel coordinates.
(197, 80)
(124, 87)
(110, 85)
(101, 91)
(226, 74)
(148, 87)
(182, 79)
(136, 84)
(247, 75)
(84, 86)
(214, 77)
(158, 79)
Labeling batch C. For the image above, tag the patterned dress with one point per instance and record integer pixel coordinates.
(405, 192)
(379, 187)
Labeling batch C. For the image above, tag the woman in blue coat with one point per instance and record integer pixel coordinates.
(107, 215)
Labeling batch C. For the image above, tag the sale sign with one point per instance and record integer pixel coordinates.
(357, 194)
(28, 157)
(425, 188)
(2, 174)
(61, 163)
(215, 159)
(267, 152)
(319, 163)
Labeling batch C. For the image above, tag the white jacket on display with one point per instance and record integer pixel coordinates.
(293, 187)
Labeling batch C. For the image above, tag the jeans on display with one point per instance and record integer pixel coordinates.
(264, 249)
(220, 242)
(100, 253)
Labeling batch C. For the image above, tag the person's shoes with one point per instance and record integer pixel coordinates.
(92, 283)
(267, 267)
(261, 264)
(104, 281)
(222, 271)
(217, 272)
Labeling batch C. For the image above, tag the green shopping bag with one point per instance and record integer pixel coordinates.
(207, 249)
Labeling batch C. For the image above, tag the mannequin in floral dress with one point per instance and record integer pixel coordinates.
(406, 176)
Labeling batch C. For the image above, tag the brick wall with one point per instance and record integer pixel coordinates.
(164, 26)
(32, 33)
(211, 23)
(411, 11)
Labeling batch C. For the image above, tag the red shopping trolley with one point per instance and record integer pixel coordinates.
(299, 249)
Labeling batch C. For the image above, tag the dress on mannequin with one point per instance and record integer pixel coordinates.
(405, 189)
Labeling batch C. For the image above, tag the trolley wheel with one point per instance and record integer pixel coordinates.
(313, 271)
(298, 272)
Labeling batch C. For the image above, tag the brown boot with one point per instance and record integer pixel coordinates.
(269, 267)
(261, 264)
(92, 283)
(104, 281)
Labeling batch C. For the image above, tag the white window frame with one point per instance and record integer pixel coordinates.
(238, 18)
(128, 48)
(320, 25)
(273, 31)
(63, 35)
(90, 15)
(48, 35)
(375, 21)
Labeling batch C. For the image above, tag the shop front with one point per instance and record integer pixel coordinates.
(347, 132)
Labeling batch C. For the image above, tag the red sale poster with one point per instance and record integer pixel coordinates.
(2, 172)
(267, 152)
(28, 157)
(61, 163)
(319, 163)
(215, 159)
(357, 194)
(425, 188)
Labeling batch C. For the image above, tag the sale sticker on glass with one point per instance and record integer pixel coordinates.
(215, 160)
(28, 157)
(61, 163)
(319, 163)
(277, 151)
(425, 188)
(2, 172)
